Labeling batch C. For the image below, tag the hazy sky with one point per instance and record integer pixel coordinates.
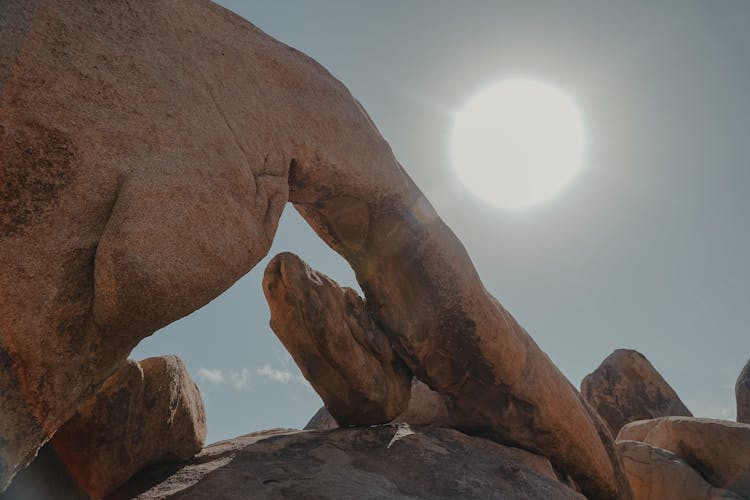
(647, 249)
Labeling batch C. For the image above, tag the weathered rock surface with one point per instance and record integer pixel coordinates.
(334, 341)
(657, 474)
(422, 290)
(742, 393)
(148, 175)
(355, 463)
(426, 408)
(144, 150)
(718, 449)
(626, 387)
(147, 412)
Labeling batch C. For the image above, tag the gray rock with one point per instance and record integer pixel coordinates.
(384, 462)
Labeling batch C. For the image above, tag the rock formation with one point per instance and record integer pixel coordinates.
(626, 387)
(742, 394)
(426, 408)
(362, 463)
(147, 412)
(146, 152)
(334, 341)
(718, 450)
(657, 474)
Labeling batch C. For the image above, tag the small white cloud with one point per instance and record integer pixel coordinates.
(727, 413)
(214, 376)
(282, 376)
(239, 381)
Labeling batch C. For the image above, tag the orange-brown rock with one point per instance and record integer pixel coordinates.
(144, 156)
(718, 449)
(334, 341)
(657, 474)
(426, 408)
(742, 394)
(626, 387)
(147, 412)
(424, 293)
(146, 151)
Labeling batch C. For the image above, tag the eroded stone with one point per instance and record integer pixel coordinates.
(718, 449)
(626, 387)
(334, 341)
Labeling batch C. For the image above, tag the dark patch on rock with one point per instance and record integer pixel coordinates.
(36, 163)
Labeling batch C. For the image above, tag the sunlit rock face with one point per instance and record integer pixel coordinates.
(719, 450)
(146, 152)
(147, 412)
(658, 474)
(347, 359)
(626, 387)
(367, 463)
(742, 393)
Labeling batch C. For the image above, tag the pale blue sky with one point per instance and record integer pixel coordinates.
(648, 249)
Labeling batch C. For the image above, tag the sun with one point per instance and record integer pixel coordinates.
(518, 143)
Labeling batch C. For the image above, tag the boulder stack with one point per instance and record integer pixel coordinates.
(718, 450)
(146, 152)
(659, 474)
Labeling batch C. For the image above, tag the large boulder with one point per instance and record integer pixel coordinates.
(146, 151)
(347, 359)
(742, 393)
(147, 412)
(626, 387)
(718, 449)
(657, 474)
(370, 463)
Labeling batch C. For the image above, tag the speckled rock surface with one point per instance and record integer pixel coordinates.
(365, 463)
(347, 359)
(149, 174)
(626, 387)
(147, 412)
(144, 156)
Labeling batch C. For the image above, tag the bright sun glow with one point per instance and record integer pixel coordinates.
(518, 143)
